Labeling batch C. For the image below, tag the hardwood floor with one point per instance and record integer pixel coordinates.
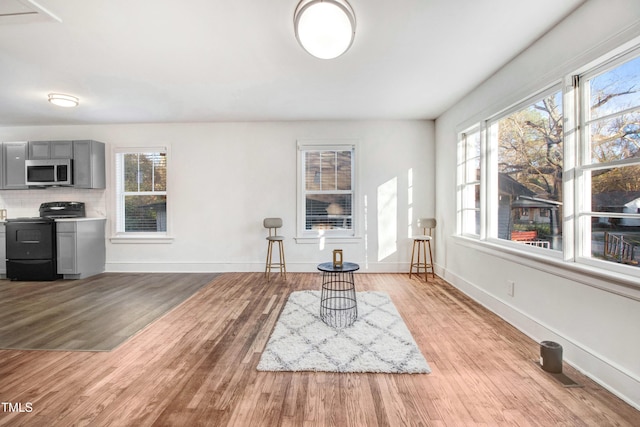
(96, 314)
(197, 366)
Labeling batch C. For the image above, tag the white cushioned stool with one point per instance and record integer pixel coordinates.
(273, 224)
(422, 242)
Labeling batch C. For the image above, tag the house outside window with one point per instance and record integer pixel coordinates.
(561, 170)
(326, 183)
(527, 172)
(141, 191)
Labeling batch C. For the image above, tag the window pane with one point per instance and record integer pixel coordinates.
(145, 213)
(159, 172)
(616, 190)
(328, 170)
(473, 157)
(312, 170)
(616, 138)
(616, 240)
(130, 172)
(328, 211)
(615, 90)
(471, 221)
(530, 150)
(145, 172)
(344, 170)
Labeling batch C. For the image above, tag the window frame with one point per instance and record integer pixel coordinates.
(337, 236)
(489, 162)
(119, 235)
(467, 183)
(584, 167)
(577, 214)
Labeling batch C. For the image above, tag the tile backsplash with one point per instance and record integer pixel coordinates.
(26, 203)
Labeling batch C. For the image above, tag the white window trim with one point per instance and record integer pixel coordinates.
(616, 278)
(319, 237)
(464, 183)
(159, 237)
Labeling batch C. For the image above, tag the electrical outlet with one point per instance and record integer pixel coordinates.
(511, 285)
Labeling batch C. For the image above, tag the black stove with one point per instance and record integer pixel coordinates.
(62, 210)
(31, 242)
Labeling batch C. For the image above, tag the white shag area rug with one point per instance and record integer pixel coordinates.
(378, 341)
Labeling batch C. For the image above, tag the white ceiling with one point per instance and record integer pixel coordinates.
(149, 61)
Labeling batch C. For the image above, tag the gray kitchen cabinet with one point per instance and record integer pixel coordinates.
(14, 155)
(89, 164)
(80, 247)
(3, 250)
(50, 150)
(2, 167)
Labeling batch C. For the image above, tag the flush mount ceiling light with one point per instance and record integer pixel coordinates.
(324, 28)
(62, 100)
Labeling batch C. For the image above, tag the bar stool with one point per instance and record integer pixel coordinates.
(273, 224)
(423, 241)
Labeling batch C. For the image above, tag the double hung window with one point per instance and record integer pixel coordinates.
(141, 187)
(526, 172)
(558, 174)
(469, 169)
(609, 162)
(326, 198)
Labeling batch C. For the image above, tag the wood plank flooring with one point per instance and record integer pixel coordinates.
(96, 314)
(197, 366)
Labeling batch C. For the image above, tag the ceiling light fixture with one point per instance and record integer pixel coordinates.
(62, 100)
(324, 28)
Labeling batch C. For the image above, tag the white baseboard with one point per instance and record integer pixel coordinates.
(229, 267)
(607, 373)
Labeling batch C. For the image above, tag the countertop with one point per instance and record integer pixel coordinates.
(92, 218)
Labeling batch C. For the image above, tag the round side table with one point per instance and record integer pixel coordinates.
(338, 306)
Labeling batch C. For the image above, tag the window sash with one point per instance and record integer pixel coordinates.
(145, 215)
(326, 200)
(583, 244)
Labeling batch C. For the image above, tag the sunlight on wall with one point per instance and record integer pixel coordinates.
(409, 203)
(387, 218)
(366, 233)
(322, 241)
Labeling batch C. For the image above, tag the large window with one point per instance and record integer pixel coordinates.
(609, 162)
(527, 172)
(141, 183)
(560, 170)
(326, 187)
(469, 168)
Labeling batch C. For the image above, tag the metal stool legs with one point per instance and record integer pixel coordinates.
(270, 264)
(420, 263)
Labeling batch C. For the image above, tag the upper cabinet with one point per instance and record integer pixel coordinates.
(39, 150)
(88, 161)
(88, 164)
(14, 155)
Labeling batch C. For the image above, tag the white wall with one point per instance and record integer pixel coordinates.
(224, 178)
(597, 328)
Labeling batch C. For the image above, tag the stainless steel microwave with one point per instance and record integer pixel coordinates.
(48, 172)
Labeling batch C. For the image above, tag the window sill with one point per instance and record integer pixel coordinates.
(620, 284)
(137, 239)
(332, 239)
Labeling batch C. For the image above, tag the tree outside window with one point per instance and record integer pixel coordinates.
(530, 166)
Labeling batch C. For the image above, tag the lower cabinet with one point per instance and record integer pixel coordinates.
(3, 250)
(80, 247)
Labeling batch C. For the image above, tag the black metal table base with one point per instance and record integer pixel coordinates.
(338, 305)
